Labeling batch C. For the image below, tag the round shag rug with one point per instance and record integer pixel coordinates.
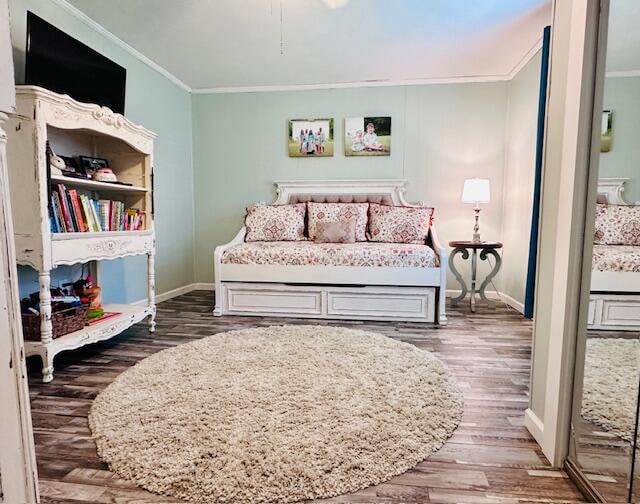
(276, 414)
(610, 387)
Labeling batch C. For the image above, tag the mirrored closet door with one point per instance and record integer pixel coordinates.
(604, 434)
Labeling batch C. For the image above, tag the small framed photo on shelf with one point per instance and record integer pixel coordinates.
(367, 136)
(310, 138)
(90, 165)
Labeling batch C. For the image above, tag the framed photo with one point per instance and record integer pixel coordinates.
(367, 136)
(310, 138)
(606, 131)
(89, 165)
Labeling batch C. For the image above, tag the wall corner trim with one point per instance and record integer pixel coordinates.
(78, 14)
(528, 56)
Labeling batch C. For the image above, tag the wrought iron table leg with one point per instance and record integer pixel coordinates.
(474, 268)
(494, 272)
(465, 255)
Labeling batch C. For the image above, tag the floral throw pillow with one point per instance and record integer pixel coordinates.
(617, 225)
(275, 222)
(399, 224)
(334, 212)
(336, 232)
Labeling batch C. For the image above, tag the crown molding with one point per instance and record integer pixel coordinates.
(528, 56)
(623, 73)
(353, 84)
(463, 79)
(78, 14)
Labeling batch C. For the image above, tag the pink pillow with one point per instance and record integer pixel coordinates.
(336, 232)
(334, 212)
(399, 224)
(617, 225)
(275, 222)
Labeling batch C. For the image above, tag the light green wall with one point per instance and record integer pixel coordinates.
(441, 134)
(519, 174)
(161, 106)
(622, 95)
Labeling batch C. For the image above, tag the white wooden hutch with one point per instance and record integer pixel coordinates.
(74, 128)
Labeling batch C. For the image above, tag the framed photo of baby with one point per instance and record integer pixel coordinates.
(310, 137)
(367, 136)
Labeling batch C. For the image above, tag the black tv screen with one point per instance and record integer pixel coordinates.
(60, 63)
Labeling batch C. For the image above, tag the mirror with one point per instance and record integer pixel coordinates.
(607, 378)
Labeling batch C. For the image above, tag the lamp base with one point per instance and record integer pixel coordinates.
(476, 238)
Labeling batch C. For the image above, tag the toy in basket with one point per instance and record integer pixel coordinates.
(67, 315)
(90, 295)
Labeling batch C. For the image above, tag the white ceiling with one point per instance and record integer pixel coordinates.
(623, 44)
(272, 43)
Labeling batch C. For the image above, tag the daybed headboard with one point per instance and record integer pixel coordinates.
(390, 192)
(610, 189)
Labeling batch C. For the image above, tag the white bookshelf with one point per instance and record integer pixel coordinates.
(75, 128)
(97, 186)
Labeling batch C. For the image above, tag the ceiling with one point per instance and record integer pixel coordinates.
(623, 43)
(274, 43)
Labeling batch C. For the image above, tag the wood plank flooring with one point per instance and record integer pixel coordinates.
(490, 458)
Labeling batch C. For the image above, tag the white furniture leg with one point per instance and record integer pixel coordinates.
(46, 327)
(151, 290)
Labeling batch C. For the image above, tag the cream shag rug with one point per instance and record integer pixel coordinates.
(277, 414)
(610, 387)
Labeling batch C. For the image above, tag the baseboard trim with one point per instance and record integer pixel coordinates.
(495, 295)
(178, 291)
(534, 425)
(202, 286)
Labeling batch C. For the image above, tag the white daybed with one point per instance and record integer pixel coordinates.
(327, 291)
(614, 301)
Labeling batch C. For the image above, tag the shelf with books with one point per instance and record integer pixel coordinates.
(61, 220)
(75, 211)
(97, 186)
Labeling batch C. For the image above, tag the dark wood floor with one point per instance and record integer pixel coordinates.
(490, 458)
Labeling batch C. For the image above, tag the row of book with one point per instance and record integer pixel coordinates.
(73, 212)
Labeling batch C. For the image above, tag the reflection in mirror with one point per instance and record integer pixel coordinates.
(605, 414)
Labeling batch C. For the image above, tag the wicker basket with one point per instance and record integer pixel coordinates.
(63, 322)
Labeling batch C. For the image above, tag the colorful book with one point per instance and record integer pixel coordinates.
(84, 201)
(57, 213)
(66, 212)
(75, 204)
(104, 207)
(94, 213)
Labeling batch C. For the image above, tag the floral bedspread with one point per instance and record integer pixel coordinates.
(332, 254)
(616, 258)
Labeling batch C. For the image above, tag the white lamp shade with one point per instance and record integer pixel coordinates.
(476, 190)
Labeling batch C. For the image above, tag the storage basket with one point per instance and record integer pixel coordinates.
(63, 322)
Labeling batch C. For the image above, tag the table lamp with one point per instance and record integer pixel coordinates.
(476, 191)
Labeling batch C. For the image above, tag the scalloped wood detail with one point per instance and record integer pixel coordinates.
(64, 112)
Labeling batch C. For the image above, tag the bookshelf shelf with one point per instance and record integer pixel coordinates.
(97, 186)
(100, 331)
(72, 129)
(102, 234)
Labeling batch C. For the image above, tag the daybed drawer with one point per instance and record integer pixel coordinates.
(270, 299)
(621, 312)
(386, 303)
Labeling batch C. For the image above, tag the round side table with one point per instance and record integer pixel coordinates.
(462, 248)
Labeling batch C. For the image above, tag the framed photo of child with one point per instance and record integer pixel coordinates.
(367, 136)
(310, 138)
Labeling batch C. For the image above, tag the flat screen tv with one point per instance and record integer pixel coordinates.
(60, 63)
